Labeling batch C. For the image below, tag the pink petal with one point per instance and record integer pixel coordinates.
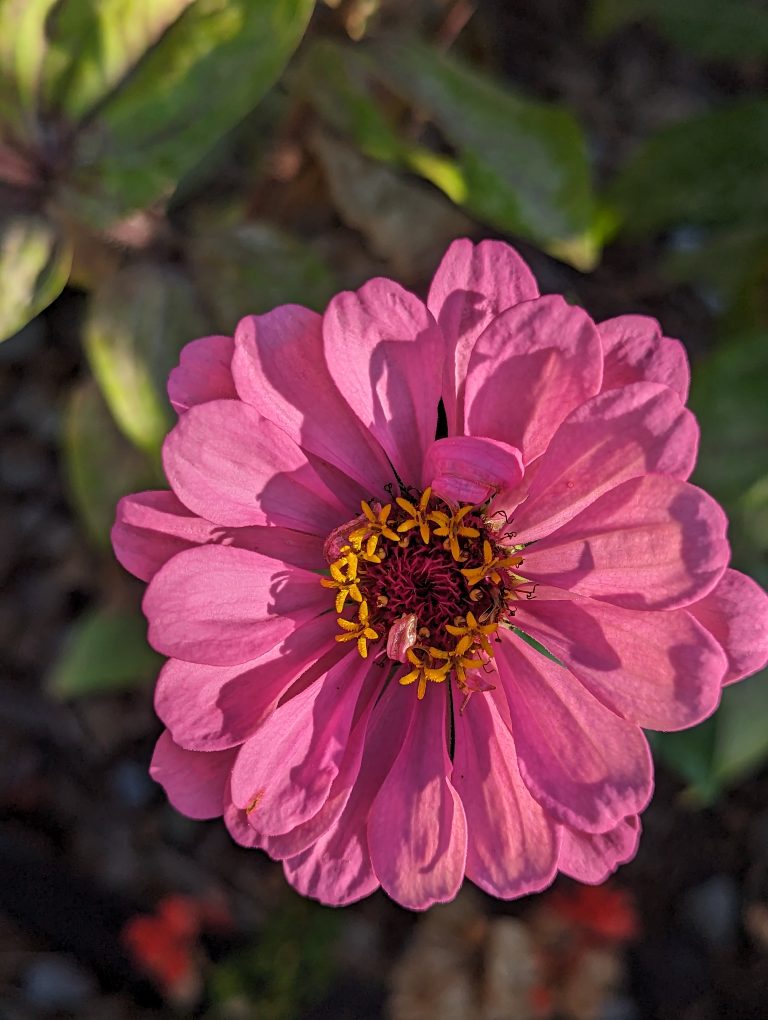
(279, 368)
(203, 373)
(473, 284)
(385, 354)
(467, 469)
(635, 351)
(337, 868)
(417, 830)
(662, 671)
(640, 429)
(233, 467)
(531, 367)
(151, 527)
(284, 772)
(194, 781)
(512, 844)
(584, 765)
(304, 835)
(650, 543)
(591, 858)
(736, 613)
(209, 708)
(223, 606)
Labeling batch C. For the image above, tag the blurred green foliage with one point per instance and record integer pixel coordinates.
(131, 155)
(285, 972)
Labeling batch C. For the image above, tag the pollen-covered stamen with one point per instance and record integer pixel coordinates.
(491, 566)
(418, 516)
(424, 670)
(361, 631)
(472, 632)
(344, 578)
(459, 662)
(430, 577)
(373, 527)
(451, 527)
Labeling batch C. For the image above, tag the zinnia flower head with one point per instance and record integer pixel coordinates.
(424, 572)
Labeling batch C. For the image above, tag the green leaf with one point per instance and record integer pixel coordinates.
(22, 58)
(34, 267)
(137, 322)
(725, 748)
(250, 268)
(101, 464)
(337, 80)
(523, 162)
(729, 398)
(92, 45)
(204, 75)
(520, 165)
(713, 29)
(690, 753)
(741, 742)
(711, 170)
(106, 651)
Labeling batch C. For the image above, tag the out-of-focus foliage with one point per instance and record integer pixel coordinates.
(519, 165)
(709, 171)
(137, 323)
(106, 104)
(107, 651)
(243, 267)
(286, 971)
(101, 464)
(34, 267)
(713, 29)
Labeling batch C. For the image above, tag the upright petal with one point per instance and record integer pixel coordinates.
(637, 430)
(337, 868)
(635, 351)
(662, 671)
(473, 284)
(592, 857)
(223, 606)
(531, 367)
(736, 613)
(151, 527)
(284, 772)
(234, 468)
(204, 373)
(583, 764)
(512, 843)
(469, 469)
(210, 708)
(194, 781)
(417, 830)
(386, 354)
(650, 543)
(280, 369)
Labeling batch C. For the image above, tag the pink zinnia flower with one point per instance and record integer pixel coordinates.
(347, 600)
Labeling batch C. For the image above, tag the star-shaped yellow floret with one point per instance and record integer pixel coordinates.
(472, 632)
(373, 528)
(451, 528)
(422, 672)
(490, 566)
(344, 577)
(458, 661)
(417, 515)
(360, 631)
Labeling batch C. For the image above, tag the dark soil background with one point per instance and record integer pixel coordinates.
(87, 842)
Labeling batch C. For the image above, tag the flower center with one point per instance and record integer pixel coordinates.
(429, 581)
